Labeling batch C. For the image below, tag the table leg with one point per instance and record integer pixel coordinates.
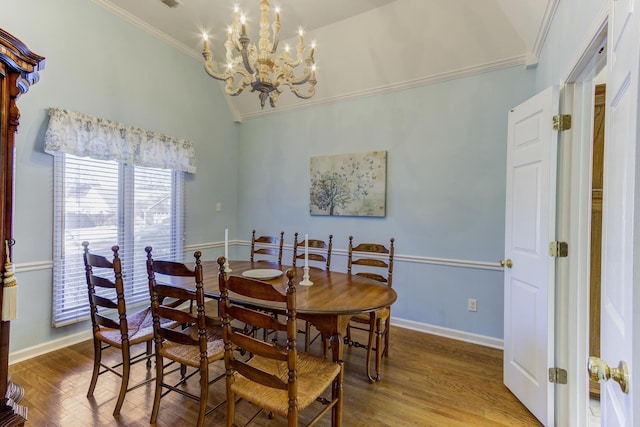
(337, 348)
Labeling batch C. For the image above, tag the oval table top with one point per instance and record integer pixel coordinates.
(332, 292)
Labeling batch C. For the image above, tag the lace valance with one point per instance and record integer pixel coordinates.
(87, 136)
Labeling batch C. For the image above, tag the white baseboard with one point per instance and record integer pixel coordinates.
(449, 333)
(40, 349)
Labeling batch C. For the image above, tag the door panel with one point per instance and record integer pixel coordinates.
(617, 252)
(621, 240)
(529, 227)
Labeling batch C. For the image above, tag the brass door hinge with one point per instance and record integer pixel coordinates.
(558, 249)
(557, 375)
(562, 122)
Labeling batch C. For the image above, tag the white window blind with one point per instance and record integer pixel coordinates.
(109, 203)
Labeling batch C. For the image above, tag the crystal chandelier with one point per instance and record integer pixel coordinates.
(261, 68)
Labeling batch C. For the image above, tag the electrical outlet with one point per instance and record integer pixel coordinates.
(218, 207)
(472, 304)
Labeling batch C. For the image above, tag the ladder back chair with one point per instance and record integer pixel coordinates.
(112, 325)
(196, 345)
(265, 248)
(375, 261)
(319, 252)
(319, 257)
(277, 379)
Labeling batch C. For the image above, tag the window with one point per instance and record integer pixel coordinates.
(115, 184)
(106, 202)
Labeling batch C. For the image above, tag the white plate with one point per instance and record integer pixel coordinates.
(262, 273)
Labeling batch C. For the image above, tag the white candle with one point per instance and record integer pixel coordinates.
(226, 244)
(306, 251)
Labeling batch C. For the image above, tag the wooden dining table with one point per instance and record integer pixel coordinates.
(328, 304)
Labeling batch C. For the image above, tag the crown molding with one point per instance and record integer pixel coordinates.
(107, 5)
(549, 13)
(396, 87)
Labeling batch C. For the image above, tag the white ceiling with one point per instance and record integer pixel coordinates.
(363, 46)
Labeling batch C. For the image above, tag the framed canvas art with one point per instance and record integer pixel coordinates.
(349, 184)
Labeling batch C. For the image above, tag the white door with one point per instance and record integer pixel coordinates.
(530, 271)
(620, 221)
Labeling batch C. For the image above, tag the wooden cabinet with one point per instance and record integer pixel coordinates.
(19, 69)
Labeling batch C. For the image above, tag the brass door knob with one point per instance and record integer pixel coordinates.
(599, 371)
(506, 263)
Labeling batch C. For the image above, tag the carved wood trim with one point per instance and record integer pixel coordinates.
(19, 69)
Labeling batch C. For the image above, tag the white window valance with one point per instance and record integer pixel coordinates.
(87, 136)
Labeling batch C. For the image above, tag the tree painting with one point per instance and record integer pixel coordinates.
(349, 184)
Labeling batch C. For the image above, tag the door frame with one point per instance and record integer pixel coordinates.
(574, 223)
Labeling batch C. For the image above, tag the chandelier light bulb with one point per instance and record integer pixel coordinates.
(205, 37)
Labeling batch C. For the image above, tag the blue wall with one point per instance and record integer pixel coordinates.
(446, 156)
(101, 65)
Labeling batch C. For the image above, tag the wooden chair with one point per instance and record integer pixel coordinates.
(319, 252)
(376, 323)
(199, 342)
(119, 330)
(264, 248)
(319, 257)
(279, 380)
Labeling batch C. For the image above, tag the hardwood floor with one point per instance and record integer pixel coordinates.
(427, 381)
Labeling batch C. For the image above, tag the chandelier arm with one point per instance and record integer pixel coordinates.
(307, 74)
(228, 76)
(245, 79)
(311, 90)
(233, 91)
(210, 66)
(210, 69)
(290, 62)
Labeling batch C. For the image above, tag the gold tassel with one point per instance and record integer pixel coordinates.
(9, 290)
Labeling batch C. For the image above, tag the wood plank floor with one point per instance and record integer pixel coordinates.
(427, 381)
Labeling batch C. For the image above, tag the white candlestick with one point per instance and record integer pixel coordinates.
(305, 277)
(226, 243)
(226, 251)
